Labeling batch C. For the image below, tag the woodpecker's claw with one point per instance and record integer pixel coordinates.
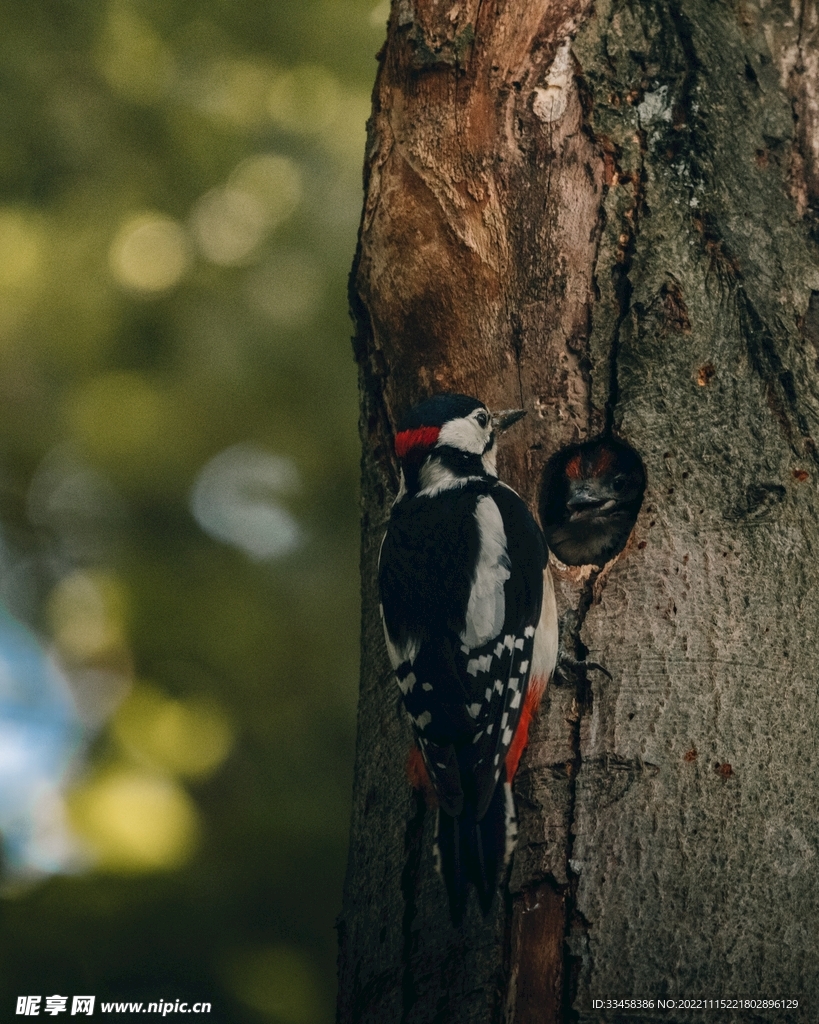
(568, 667)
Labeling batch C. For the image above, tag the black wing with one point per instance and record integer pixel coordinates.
(464, 699)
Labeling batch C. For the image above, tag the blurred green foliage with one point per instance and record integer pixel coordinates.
(179, 196)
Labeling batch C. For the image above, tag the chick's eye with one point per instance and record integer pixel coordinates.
(619, 483)
(482, 419)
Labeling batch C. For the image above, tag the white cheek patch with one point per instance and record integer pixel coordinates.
(490, 461)
(487, 605)
(465, 434)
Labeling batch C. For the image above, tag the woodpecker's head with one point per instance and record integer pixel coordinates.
(446, 440)
(589, 500)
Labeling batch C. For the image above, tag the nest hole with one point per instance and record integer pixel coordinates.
(590, 495)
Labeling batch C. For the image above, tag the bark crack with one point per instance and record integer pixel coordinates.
(517, 348)
(571, 626)
(623, 288)
(799, 34)
(779, 381)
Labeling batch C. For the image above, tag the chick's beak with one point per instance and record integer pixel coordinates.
(503, 420)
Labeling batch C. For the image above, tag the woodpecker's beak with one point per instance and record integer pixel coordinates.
(503, 420)
(586, 503)
(583, 499)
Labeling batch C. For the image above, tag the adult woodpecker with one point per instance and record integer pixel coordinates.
(590, 496)
(470, 623)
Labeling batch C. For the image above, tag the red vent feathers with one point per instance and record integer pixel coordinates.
(521, 738)
(419, 776)
(423, 437)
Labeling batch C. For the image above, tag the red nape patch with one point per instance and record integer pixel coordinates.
(573, 470)
(419, 776)
(521, 737)
(603, 462)
(423, 437)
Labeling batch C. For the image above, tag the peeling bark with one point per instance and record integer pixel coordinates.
(608, 214)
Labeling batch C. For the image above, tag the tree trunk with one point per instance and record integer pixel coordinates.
(606, 213)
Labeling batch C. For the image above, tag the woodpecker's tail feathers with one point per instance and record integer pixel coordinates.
(449, 859)
(473, 851)
(488, 846)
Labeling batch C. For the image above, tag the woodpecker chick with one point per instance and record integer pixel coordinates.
(470, 624)
(589, 500)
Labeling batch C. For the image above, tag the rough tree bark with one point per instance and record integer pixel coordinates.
(607, 212)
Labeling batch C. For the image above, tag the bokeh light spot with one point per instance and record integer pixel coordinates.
(229, 225)
(77, 503)
(86, 611)
(149, 254)
(309, 100)
(191, 737)
(236, 91)
(135, 821)
(235, 496)
(379, 15)
(132, 57)
(274, 180)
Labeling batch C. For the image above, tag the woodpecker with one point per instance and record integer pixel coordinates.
(470, 624)
(589, 500)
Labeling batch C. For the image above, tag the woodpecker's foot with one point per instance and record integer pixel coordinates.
(569, 668)
(572, 667)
